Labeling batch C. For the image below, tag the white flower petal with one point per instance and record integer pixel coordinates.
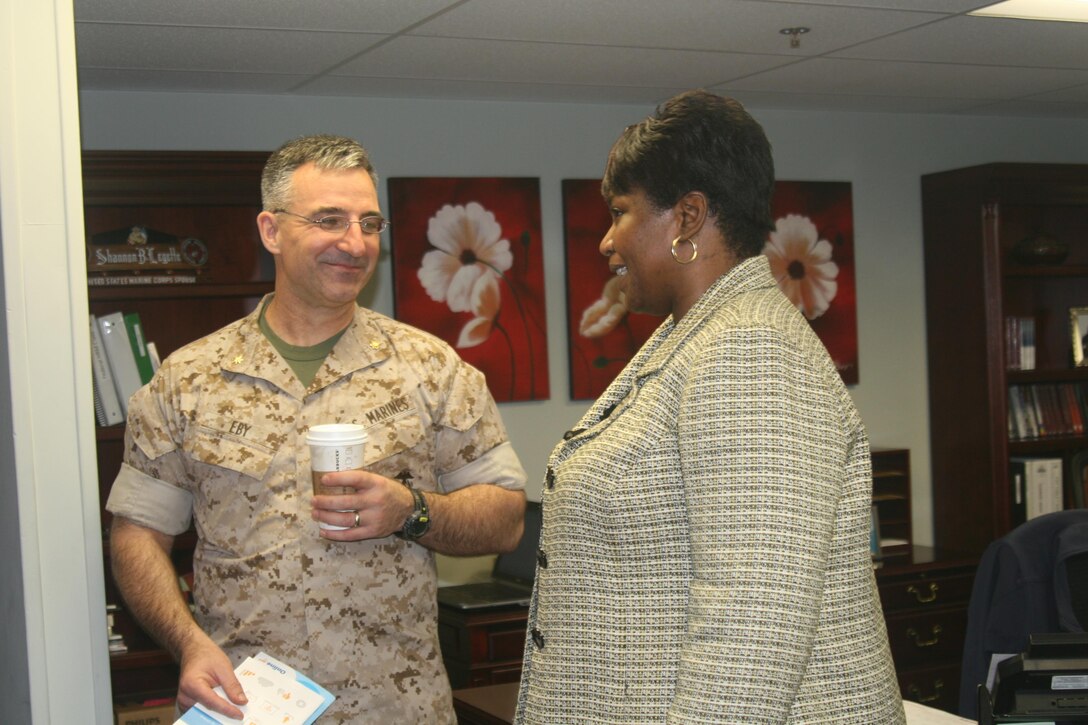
(802, 264)
(459, 295)
(468, 244)
(603, 319)
(435, 272)
(821, 251)
(474, 332)
(612, 291)
(486, 297)
(498, 255)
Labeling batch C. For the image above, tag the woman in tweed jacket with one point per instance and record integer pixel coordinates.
(705, 552)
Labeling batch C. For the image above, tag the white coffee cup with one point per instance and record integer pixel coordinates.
(334, 447)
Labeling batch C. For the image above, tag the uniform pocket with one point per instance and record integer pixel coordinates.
(393, 437)
(210, 447)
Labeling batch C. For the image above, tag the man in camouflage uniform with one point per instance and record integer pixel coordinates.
(218, 437)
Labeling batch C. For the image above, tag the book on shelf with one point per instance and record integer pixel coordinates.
(139, 347)
(1072, 408)
(107, 405)
(1041, 479)
(1020, 342)
(1027, 343)
(1078, 478)
(1018, 427)
(126, 376)
(1051, 415)
(1017, 497)
(153, 354)
(116, 641)
(1042, 410)
(1038, 422)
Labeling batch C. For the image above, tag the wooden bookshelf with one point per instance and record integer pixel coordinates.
(211, 196)
(891, 496)
(973, 219)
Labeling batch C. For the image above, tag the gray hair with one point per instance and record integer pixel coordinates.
(323, 150)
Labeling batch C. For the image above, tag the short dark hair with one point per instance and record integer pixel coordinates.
(700, 141)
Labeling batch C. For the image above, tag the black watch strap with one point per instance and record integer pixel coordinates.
(417, 523)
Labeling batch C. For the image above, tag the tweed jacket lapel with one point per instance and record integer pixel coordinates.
(749, 275)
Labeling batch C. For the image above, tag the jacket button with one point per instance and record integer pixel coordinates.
(538, 638)
(571, 433)
(550, 478)
(542, 559)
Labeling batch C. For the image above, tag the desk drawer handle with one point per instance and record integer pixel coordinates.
(913, 634)
(924, 598)
(916, 694)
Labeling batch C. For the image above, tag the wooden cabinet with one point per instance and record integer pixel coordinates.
(925, 595)
(482, 647)
(213, 197)
(973, 219)
(891, 496)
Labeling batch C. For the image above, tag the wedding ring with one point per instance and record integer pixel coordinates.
(356, 520)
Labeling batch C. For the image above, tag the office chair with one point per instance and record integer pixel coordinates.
(1032, 580)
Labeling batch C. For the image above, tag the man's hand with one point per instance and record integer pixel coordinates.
(203, 667)
(474, 520)
(382, 504)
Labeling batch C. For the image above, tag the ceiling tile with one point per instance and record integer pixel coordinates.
(481, 90)
(939, 80)
(905, 56)
(185, 81)
(375, 16)
(733, 25)
(209, 49)
(550, 63)
(985, 41)
(936, 6)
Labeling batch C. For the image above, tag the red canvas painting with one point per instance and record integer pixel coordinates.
(602, 334)
(468, 267)
(811, 253)
(812, 257)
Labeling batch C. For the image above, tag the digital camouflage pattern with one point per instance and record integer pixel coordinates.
(223, 422)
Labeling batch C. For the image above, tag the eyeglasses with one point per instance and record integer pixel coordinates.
(340, 224)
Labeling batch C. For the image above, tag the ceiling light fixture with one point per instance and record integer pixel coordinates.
(795, 35)
(1070, 11)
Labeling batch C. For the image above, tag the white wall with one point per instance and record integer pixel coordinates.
(882, 155)
(53, 659)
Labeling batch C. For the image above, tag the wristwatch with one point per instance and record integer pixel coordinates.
(417, 523)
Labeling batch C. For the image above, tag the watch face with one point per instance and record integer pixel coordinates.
(416, 525)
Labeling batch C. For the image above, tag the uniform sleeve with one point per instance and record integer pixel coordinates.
(472, 445)
(150, 487)
(762, 463)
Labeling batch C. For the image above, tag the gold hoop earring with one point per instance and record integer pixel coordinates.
(694, 250)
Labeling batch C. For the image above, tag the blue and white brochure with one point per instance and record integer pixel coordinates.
(278, 695)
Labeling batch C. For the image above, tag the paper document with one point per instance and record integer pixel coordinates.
(277, 696)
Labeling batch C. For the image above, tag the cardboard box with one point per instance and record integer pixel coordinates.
(137, 714)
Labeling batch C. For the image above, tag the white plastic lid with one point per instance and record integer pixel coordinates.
(344, 434)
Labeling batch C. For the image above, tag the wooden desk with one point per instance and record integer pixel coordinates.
(487, 705)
